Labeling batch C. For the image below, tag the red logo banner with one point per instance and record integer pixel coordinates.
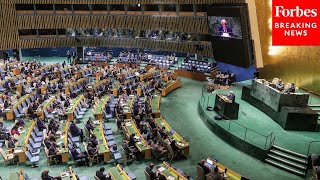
(295, 22)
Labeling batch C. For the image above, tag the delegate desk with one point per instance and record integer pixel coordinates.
(170, 86)
(103, 149)
(170, 172)
(99, 111)
(127, 107)
(230, 174)
(117, 173)
(155, 103)
(68, 174)
(142, 145)
(290, 111)
(180, 141)
(23, 140)
(70, 110)
(43, 106)
(62, 141)
(225, 108)
(191, 75)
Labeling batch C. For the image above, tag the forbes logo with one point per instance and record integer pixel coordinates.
(296, 12)
(295, 22)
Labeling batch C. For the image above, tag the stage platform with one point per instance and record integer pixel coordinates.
(255, 127)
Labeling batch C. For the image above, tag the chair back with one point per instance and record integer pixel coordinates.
(28, 155)
(147, 175)
(200, 173)
(170, 150)
(29, 147)
(208, 177)
(16, 113)
(3, 154)
(26, 177)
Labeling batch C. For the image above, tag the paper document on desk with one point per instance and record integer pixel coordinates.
(17, 151)
(170, 178)
(96, 122)
(128, 124)
(58, 132)
(161, 169)
(23, 131)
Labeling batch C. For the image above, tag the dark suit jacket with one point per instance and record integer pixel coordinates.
(151, 173)
(101, 176)
(221, 31)
(46, 177)
(205, 168)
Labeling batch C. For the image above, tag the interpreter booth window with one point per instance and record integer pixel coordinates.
(47, 32)
(117, 9)
(168, 10)
(134, 9)
(100, 9)
(200, 9)
(61, 32)
(24, 33)
(63, 8)
(24, 7)
(186, 10)
(81, 9)
(151, 9)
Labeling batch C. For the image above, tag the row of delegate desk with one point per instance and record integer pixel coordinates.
(10, 112)
(180, 141)
(170, 86)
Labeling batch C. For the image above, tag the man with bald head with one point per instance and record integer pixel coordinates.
(45, 176)
(224, 30)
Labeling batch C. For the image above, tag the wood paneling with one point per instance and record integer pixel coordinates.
(184, 47)
(8, 31)
(175, 24)
(126, 1)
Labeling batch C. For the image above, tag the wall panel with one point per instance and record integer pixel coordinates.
(175, 24)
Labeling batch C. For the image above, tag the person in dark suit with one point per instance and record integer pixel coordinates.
(224, 30)
(205, 168)
(290, 88)
(45, 176)
(92, 150)
(78, 155)
(100, 174)
(216, 175)
(75, 131)
(132, 141)
(41, 126)
(231, 96)
(90, 125)
(93, 140)
(149, 170)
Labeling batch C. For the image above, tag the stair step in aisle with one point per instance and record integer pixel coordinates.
(287, 160)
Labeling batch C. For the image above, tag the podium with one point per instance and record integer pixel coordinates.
(225, 108)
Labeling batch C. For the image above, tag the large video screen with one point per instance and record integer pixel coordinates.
(230, 34)
(229, 27)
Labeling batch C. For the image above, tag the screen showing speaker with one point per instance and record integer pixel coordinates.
(230, 34)
(221, 26)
